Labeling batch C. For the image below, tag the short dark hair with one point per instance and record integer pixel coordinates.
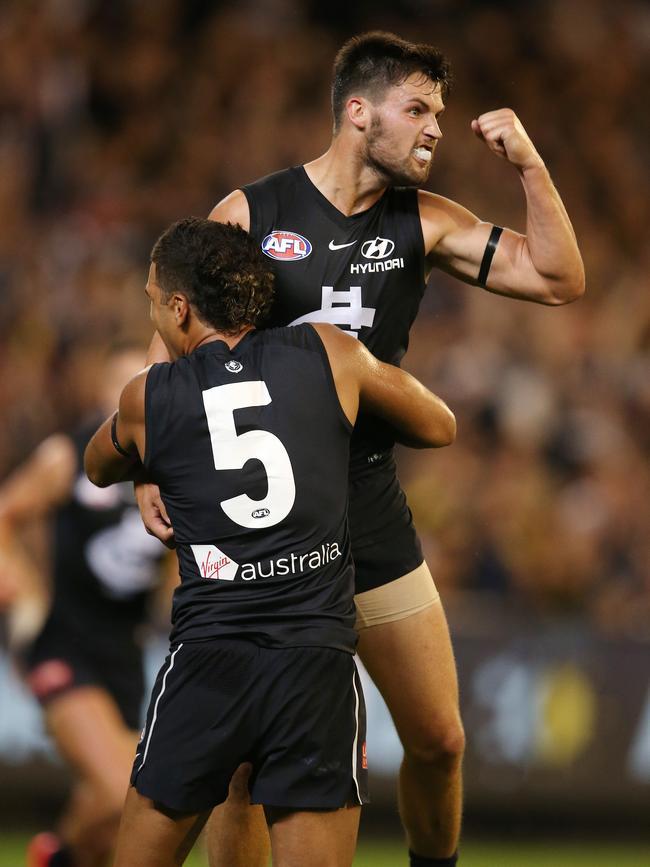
(221, 270)
(373, 61)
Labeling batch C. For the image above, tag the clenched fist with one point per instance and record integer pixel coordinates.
(504, 134)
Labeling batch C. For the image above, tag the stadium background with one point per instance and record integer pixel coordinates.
(118, 117)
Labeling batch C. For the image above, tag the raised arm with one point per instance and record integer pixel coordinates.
(114, 453)
(43, 482)
(544, 265)
(418, 417)
(39, 485)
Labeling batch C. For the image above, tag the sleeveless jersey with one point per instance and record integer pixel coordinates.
(364, 273)
(105, 563)
(250, 449)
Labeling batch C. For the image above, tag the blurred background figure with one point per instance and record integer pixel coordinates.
(84, 664)
(118, 118)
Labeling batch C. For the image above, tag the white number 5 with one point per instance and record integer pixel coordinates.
(231, 451)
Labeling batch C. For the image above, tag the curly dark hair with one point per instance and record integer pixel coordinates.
(221, 270)
(372, 62)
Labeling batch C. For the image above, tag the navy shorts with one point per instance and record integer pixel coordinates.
(385, 545)
(61, 659)
(296, 714)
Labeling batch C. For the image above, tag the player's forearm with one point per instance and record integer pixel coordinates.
(550, 240)
(23, 496)
(21, 500)
(419, 418)
(429, 423)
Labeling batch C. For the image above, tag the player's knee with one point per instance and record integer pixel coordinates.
(441, 743)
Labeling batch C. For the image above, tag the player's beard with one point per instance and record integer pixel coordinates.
(380, 156)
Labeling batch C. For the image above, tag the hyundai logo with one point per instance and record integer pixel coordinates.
(380, 248)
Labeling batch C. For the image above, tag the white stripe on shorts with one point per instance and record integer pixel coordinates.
(356, 732)
(155, 709)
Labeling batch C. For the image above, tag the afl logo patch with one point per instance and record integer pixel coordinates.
(260, 513)
(286, 246)
(233, 366)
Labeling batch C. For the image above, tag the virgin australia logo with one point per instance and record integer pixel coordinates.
(213, 563)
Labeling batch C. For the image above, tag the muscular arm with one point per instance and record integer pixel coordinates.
(544, 265)
(104, 465)
(420, 419)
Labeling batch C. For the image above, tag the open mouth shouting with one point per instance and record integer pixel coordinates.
(423, 154)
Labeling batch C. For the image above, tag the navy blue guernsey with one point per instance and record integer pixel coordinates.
(364, 273)
(250, 449)
(105, 564)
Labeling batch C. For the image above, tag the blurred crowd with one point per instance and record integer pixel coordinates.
(119, 116)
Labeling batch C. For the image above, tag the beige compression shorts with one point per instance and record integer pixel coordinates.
(396, 600)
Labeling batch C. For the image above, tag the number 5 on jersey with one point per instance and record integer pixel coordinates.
(231, 451)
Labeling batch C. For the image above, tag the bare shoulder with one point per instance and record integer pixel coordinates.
(232, 209)
(440, 216)
(437, 209)
(337, 342)
(132, 398)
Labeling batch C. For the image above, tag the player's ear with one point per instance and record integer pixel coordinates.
(180, 308)
(357, 110)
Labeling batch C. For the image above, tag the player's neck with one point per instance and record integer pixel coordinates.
(345, 179)
(231, 340)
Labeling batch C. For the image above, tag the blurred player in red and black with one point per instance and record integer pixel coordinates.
(85, 664)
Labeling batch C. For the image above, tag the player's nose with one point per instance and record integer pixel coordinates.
(432, 129)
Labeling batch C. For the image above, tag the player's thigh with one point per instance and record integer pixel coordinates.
(90, 732)
(412, 664)
(149, 837)
(319, 838)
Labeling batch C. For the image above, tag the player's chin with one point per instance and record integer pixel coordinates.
(415, 179)
(423, 167)
(410, 175)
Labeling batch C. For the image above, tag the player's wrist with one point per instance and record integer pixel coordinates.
(533, 165)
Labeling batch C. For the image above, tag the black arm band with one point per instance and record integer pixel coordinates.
(115, 440)
(486, 261)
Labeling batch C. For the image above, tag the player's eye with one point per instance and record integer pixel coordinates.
(414, 112)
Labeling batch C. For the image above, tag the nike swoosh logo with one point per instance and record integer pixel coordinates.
(334, 246)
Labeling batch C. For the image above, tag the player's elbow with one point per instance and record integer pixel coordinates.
(93, 469)
(96, 477)
(568, 288)
(442, 427)
(576, 287)
(447, 429)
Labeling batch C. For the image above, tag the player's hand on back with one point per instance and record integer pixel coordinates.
(504, 134)
(153, 513)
